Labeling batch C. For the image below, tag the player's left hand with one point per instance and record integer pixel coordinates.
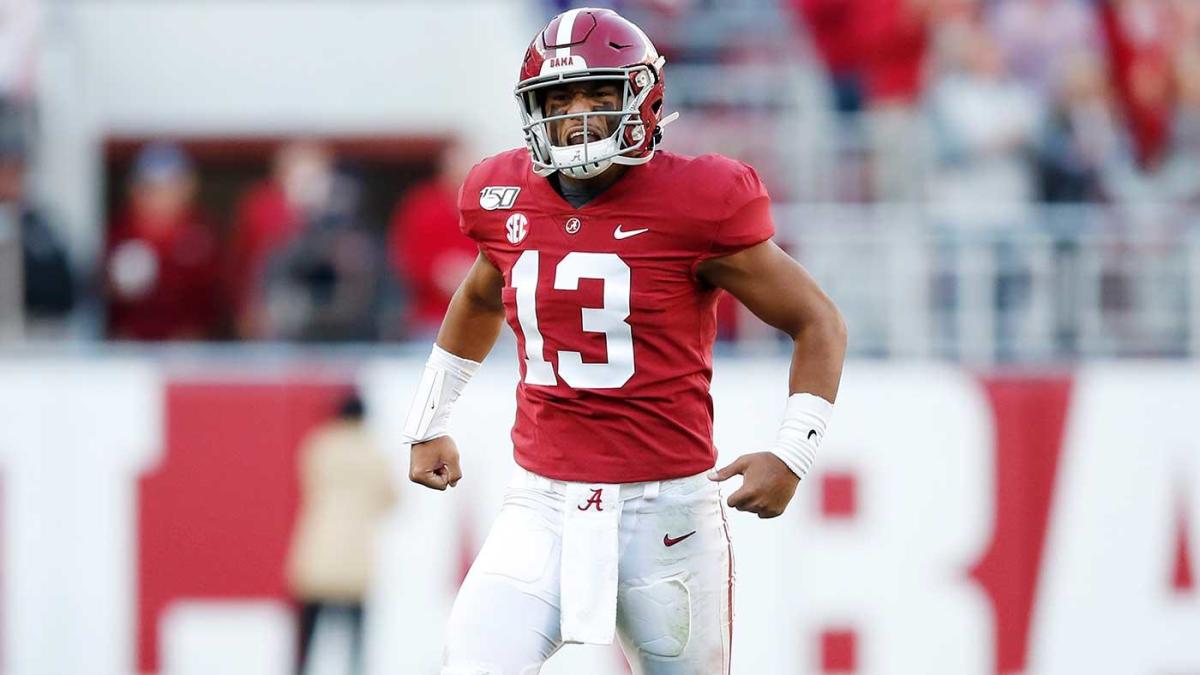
(767, 485)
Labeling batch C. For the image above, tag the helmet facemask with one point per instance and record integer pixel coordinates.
(627, 134)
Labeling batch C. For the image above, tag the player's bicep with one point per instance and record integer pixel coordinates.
(483, 284)
(772, 285)
(476, 313)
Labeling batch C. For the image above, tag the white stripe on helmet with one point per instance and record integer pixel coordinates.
(566, 26)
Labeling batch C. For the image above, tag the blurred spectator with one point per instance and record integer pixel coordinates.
(894, 39)
(1080, 135)
(345, 489)
(875, 50)
(986, 125)
(1038, 38)
(425, 247)
(328, 283)
(268, 217)
(1141, 36)
(162, 264)
(304, 266)
(48, 291)
(833, 28)
(1152, 50)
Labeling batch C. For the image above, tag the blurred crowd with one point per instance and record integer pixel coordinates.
(1013, 101)
(1002, 101)
(1003, 104)
(298, 260)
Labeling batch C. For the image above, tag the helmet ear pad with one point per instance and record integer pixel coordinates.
(648, 84)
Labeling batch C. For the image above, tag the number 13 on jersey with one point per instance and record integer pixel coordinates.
(609, 319)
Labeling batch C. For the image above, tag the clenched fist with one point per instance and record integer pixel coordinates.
(767, 485)
(434, 463)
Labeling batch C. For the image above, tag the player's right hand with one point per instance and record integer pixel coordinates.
(434, 463)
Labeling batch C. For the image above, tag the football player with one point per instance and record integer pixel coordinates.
(606, 258)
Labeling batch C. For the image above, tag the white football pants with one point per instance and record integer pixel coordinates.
(673, 579)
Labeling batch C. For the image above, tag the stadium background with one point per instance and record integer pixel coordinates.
(1001, 195)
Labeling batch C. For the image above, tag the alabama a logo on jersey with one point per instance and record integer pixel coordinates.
(516, 228)
(495, 197)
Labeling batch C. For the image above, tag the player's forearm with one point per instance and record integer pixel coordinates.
(820, 350)
(465, 338)
(471, 326)
(467, 334)
(820, 340)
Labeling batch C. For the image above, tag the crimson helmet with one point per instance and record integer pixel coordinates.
(589, 45)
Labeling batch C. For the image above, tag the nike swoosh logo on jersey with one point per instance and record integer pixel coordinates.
(668, 541)
(625, 234)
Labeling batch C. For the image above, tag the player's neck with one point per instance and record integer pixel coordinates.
(589, 188)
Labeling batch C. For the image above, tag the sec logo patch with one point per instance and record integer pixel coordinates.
(516, 227)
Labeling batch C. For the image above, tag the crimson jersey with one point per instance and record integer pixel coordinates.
(614, 330)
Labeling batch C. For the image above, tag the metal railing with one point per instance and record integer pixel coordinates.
(1055, 284)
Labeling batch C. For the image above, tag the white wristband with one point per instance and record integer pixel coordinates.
(445, 377)
(804, 424)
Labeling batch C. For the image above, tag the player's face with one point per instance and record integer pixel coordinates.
(581, 97)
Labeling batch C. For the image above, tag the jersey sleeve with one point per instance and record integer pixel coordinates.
(470, 212)
(745, 217)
